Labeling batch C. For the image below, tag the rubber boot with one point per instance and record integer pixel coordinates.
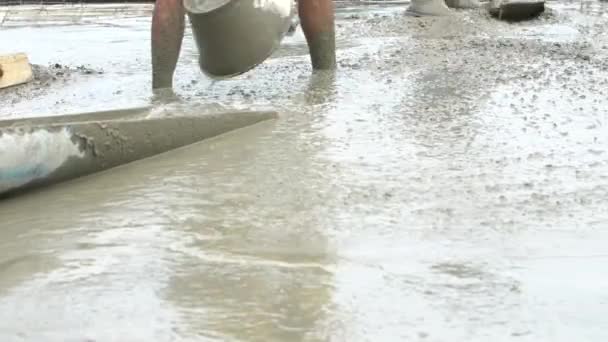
(428, 8)
(463, 4)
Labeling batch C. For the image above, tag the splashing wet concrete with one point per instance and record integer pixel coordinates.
(447, 183)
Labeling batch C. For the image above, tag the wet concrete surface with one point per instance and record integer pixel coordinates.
(447, 183)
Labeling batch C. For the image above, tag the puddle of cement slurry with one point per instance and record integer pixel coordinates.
(440, 186)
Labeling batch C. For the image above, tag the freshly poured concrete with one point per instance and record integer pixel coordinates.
(447, 183)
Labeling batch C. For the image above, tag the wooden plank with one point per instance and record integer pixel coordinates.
(14, 69)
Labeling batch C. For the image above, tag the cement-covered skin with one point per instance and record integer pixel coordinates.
(447, 183)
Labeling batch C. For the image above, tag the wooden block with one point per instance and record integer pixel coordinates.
(14, 69)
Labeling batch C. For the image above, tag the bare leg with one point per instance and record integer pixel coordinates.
(167, 36)
(317, 20)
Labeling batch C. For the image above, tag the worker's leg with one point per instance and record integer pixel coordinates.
(167, 35)
(317, 20)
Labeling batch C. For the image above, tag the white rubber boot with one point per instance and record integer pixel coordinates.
(428, 7)
(464, 4)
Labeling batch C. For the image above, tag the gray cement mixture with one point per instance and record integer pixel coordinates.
(45, 78)
(446, 183)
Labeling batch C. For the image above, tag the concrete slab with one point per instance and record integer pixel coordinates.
(447, 183)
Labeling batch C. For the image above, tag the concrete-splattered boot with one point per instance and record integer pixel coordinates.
(464, 4)
(428, 7)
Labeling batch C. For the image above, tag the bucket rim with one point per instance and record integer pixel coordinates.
(189, 6)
